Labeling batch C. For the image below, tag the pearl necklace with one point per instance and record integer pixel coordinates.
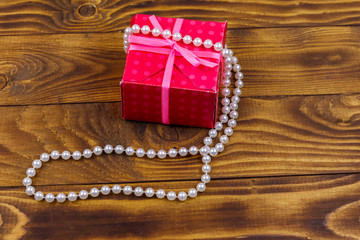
(229, 114)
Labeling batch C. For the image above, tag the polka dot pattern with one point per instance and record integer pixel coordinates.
(193, 90)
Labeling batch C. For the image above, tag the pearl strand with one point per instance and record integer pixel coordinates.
(167, 34)
(230, 107)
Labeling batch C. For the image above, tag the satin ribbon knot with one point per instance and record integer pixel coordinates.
(171, 48)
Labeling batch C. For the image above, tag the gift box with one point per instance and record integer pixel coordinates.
(164, 83)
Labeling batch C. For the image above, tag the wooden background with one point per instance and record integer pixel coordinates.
(291, 170)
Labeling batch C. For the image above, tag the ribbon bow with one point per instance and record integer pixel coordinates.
(172, 49)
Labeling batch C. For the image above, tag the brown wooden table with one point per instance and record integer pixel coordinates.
(291, 170)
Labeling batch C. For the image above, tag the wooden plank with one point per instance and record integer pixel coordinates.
(88, 67)
(309, 207)
(274, 137)
(39, 16)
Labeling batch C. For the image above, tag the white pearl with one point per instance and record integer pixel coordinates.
(225, 91)
(208, 43)
(230, 52)
(172, 152)
(225, 53)
(83, 194)
(218, 126)
(228, 131)
(234, 60)
(149, 192)
(39, 196)
(72, 196)
(193, 150)
(236, 68)
(177, 36)
(76, 155)
(135, 28)
(30, 190)
(116, 189)
(145, 29)
(207, 140)
(125, 49)
(150, 153)
(213, 133)
(98, 150)
(225, 101)
(235, 99)
(183, 151)
(226, 82)
(197, 42)
(200, 187)
(224, 139)
(55, 154)
(228, 66)
(206, 168)
(234, 114)
(161, 154)
(237, 91)
(138, 191)
(219, 147)
(65, 155)
(87, 153)
(156, 32)
(166, 33)
(192, 192)
(119, 149)
(128, 30)
(204, 150)
(232, 123)
(213, 151)
(171, 195)
(127, 190)
(233, 106)
(187, 39)
(160, 193)
(239, 75)
(224, 118)
(36, 164)
(44, 157)
(129, 151)
(227, 60)
(182, 196)
(206, 159)
(227, 74)
(108, 149)
(239, 84)
(61, 197)
(105, 190)
(94, 192)
(125, 36)
(140, 152)
(225, 109)
(49, 197)
(30, 172)
(27, 181)
(218, 46)
(205, 178)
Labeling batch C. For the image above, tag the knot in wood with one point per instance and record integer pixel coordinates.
(87, 10)
(3, 81)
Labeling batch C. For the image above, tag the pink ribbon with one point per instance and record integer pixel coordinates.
(172, 49)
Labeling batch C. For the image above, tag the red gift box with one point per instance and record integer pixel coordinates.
(191, 96)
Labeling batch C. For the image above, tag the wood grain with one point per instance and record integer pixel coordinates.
(71, 68)
(39, 17)
(309, 207)
(274, 137)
